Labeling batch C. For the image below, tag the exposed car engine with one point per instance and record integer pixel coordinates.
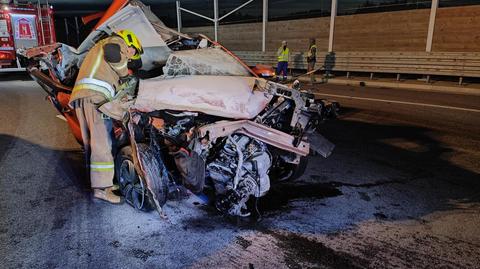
(239, 170)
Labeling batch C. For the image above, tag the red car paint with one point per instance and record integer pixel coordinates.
(264, 71)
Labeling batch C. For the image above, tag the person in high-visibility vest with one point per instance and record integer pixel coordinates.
(283, 55)
(102, 75)
(311, 59)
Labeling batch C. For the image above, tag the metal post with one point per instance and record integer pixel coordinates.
(50, 30)
(179, 17)
(431, 25)
(77, 30)
(235, 10)
(41, 20)
(66, 27)
(333, 14)
(215, 18)
(264, 25)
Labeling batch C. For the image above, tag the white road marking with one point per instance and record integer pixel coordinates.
(400, 102)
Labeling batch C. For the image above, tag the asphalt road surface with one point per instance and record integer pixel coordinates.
(401, 190)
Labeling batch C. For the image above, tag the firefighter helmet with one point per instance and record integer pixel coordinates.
(132, 41)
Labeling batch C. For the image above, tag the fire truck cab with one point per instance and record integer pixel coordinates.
(23, 26)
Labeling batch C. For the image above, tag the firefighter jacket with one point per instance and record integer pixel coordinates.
(283, 54)
(102, 69)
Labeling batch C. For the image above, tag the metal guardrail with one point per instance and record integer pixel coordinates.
(421, 63)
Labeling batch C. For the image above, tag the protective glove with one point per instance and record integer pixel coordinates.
(128, 85)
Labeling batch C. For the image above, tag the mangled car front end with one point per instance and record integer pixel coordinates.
(202, 122)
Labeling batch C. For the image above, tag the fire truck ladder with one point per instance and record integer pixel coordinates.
(45, 23)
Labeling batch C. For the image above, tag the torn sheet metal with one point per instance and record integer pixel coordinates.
(150, 168)
(320, 144)
(38, 51)
(133, 18)
(208, 61)
(223, 96)
(258, 131)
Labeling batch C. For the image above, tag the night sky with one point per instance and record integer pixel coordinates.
(86, 6)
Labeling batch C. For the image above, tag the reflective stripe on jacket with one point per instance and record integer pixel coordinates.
(283, 54)
(95, 85)
(101, 69)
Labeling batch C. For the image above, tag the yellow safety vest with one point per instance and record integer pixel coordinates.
(283, 54)
(309, 53)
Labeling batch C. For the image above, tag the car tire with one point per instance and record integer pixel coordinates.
(131, 186)
(155, 164)
(299, 169)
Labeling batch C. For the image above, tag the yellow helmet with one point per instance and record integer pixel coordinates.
(132, 41)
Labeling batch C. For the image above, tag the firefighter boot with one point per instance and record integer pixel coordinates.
(106, 195)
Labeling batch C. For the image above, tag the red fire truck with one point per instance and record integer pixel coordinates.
(23, 26)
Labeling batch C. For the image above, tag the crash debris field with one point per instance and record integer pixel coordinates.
(276, 134)
(399, 191)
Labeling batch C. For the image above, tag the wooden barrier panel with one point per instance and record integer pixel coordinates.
(386, 31)
(388, 42)
(248, 36)
(423, 63)
(457, 29)
(297, 33)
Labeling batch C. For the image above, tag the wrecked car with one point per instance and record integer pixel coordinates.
(200, 120)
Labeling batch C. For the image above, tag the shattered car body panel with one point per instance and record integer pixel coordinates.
(208, 61)
(131, 17)
(206, 121)
(223, 96)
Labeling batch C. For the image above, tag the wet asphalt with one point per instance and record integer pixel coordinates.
(401, 190)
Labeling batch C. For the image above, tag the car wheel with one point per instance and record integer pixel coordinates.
(131, 186)
(157, 175)
(298, 169)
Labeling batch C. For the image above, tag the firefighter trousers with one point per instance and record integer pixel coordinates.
(97, 140)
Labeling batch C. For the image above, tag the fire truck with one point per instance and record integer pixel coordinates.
(22, 26)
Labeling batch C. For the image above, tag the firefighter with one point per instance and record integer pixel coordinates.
(283, 55)
(102, 75)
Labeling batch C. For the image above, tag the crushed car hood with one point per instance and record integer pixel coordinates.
(224, 96)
